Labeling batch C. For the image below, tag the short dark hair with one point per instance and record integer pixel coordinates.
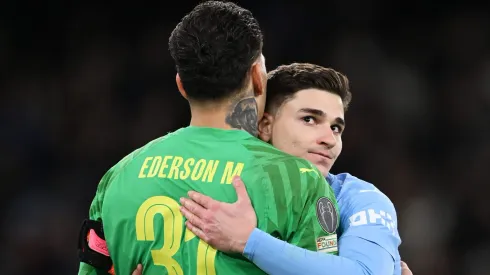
(213, 47)
(287, 80)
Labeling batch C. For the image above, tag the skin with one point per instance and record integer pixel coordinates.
(308, 126)
(242, 110)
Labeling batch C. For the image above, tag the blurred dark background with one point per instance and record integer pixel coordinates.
(85, 83)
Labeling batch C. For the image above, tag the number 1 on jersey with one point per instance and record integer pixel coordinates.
(173, 221)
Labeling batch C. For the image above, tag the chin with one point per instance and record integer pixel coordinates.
(323, 170)
(323, 167)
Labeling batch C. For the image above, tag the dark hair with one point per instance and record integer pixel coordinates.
(213, 47)
(287, 80)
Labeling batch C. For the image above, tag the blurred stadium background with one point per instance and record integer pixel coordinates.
(85, 83)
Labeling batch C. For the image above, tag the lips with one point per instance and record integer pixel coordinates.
(322, 153)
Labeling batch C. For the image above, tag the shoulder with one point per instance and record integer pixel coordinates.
(366, 212)
(287, 172)
(143, 150)
(264, 151)
(296, 168)
(361, 203)
(268, 157)
(355, 191)
(137, 154)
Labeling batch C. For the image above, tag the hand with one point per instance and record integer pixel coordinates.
(224, 226)
(405, 269)
(138, 270)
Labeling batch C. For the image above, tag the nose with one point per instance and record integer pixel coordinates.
(327, 139)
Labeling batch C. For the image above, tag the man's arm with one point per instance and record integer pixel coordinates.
(274, 256)
(369, 215)
(92, 250)
(306, 205)
(95, 215)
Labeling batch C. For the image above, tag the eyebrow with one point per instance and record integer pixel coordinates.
(340, 121)
(321, 113)
(312, 111)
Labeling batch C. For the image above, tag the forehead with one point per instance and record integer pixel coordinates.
(322, 100)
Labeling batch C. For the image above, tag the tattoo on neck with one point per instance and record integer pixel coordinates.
(243, 115)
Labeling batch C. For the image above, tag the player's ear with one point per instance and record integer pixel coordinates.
(265, 127)
(180, 86)
(259, 76)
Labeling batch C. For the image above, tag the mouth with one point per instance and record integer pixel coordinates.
(323, 154)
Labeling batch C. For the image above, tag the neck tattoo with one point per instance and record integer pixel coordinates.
(243, 115)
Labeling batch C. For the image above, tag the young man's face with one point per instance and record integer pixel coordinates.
(309, 126)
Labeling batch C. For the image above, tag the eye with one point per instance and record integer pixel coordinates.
(337, 129)
(309, 120)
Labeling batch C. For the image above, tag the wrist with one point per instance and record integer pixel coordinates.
(252, 243)
(240, 244)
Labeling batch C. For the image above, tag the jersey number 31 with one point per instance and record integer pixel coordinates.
(172, 235)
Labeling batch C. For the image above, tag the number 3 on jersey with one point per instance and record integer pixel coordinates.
(172, 235)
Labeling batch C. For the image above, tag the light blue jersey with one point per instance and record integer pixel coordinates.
(366, 213)
(368, 242)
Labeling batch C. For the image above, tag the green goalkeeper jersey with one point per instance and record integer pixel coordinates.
(138, 201)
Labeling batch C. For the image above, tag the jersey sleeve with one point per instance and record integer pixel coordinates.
(371, 216)
(305, 206)
(95, 213)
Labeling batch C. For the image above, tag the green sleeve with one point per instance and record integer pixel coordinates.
(297, 190)
(316, 229)
(95, 213)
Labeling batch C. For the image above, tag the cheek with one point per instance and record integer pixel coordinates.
(293, 144)
(338, 147)
(284, 139)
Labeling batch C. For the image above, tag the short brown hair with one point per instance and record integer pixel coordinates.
(286, 80)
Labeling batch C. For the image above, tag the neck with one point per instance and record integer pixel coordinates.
(237, 114)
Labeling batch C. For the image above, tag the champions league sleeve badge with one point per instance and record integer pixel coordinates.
(327, 215)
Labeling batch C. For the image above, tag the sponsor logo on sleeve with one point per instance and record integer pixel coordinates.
(327, 244)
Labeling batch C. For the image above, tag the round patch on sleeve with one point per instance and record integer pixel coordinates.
(327, 215)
